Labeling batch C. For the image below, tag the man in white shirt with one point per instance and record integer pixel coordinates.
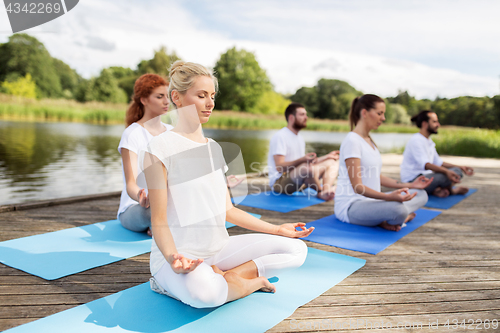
(290, 168)
(421, 158)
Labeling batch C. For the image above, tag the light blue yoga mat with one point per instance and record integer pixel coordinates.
(279, 202)
(448, 202)
(139, 309)
(69, 251)
(331, 231)
(230, 225)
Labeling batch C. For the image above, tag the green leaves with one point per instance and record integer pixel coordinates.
(242, 82)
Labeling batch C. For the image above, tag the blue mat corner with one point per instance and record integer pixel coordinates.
(60, 253)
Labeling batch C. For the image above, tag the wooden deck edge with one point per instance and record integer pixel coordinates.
(60, 201)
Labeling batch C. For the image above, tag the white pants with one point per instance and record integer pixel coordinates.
(203, 288)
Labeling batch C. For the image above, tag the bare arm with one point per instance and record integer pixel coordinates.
(156, 178)
(279, 161)
(247, 221)
(354, 171)
(129, 160)
(419, 183)
(467, 170)
(334, 155)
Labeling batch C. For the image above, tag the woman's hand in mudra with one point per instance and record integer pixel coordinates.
(181, 264)
(290, 230)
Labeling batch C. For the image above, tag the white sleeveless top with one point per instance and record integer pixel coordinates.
(196, 194)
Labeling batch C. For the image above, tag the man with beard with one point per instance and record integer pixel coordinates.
(421, 158)
(290, 168)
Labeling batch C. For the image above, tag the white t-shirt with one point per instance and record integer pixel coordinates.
(285, 143)
(135, 138)
(196, 194)
(418, 152)
(354, 146)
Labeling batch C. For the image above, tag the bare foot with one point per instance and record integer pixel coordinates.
(149, 232)
(390, 227)
(459, 190)
(441, 192)
(410, 217)
(268, 286)
(327, 196)
(217, 270)
(240, 287)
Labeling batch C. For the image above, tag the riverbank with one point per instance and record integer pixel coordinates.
(452, 140)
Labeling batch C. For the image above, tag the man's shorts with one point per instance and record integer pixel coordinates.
(286, 185)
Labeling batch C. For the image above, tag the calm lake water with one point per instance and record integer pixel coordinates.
(40, 161)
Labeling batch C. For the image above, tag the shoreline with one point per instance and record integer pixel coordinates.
(390, 161)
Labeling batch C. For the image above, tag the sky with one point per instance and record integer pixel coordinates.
(443, 48)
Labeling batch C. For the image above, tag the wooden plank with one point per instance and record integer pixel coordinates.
(414, 323)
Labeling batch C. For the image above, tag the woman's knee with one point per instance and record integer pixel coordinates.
(136, 218)
(400, 213)
(299, 251)
(296, 248)
(421, 197)
(206, 289)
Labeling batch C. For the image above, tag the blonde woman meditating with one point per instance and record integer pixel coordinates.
(358, 199)
(193, 258)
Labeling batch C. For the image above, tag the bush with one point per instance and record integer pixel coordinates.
(23, 87)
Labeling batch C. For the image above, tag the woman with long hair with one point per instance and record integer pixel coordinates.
(193, 258)
(358, 199)
(149, 102)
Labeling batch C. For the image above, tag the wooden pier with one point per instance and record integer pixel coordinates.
(446, 271)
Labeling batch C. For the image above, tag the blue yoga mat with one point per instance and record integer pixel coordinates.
(331, 231)
(139, 309)
(230, 225)
(448, 202)
(278, 202)
(65, 252)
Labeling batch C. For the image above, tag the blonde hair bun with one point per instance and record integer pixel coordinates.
(183, 75)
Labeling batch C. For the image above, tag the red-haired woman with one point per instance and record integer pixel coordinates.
(150, 101)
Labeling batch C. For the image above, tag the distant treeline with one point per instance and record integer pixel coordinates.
(28, 70)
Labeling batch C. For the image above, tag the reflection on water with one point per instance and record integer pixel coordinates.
(41, 161)
(51, 160)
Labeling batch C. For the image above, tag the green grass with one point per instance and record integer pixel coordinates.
(13, 108)
(459, 141)
(473, 142)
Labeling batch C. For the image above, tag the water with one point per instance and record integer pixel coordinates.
(40, 161)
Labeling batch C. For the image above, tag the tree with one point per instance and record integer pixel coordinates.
(24, 54)
(126, 78)
(396, 114)
(159, 64)
(242, 81)
(68, 77)
(270, 102)
(308, 97)
(24, 87)
(104, 88)
(327, 99)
